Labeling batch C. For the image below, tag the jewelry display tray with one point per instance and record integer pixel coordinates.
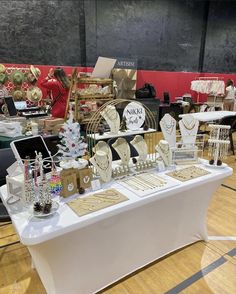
(129, 184)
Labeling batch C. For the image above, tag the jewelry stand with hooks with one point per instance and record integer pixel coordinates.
(26, 186)
(96, 120)
(147, 154)
(218, 143)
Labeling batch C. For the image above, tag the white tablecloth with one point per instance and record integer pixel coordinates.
(210, 116)
(80, 255)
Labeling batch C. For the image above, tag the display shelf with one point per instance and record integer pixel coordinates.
(94, 97)
(77, 97)
(108, 135)
(94, 81)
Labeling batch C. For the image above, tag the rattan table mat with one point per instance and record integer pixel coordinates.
(188, 173)
(96, 201)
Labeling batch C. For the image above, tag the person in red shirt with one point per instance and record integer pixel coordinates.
(58, 84)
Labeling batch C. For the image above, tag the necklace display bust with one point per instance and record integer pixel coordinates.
(163, 148)
(112, 118)
(168, 128)
(188, 126)
(123, 150)
(102, 161)
(141, 146)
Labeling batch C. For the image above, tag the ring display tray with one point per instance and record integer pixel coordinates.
(188, 173)
(147, 183)
(97, 201)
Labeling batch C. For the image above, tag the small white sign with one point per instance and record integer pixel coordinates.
(95, 185)
(135, 116)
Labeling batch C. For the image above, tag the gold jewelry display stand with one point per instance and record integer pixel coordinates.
(97, 201)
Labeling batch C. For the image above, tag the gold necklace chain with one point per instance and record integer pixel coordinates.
(99, 165)
(189, 127)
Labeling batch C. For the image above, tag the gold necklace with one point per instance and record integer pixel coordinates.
(189, 127)
(111, 195)
(165, 152)
(100, 165)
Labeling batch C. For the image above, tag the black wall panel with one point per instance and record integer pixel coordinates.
(220, 50)
(162, 34)
(167, 35)
(40, 32)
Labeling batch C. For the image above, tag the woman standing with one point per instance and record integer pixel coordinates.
(58, 84)
(230, 92)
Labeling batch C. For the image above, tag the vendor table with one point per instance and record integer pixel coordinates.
(210, 115)
(81, 255)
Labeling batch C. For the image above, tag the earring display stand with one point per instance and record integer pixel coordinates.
(123, 150)
(218, 143)
(168, 128)
(188, 126)
(141, 146)
(146, 183)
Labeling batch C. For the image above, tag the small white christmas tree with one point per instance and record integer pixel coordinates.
(72, 144)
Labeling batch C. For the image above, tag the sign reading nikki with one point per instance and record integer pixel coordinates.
(135, 116)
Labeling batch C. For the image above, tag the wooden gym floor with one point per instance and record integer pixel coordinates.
(201, 268)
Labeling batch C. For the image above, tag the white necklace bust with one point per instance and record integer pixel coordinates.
(141, 146)
(102, 161)
(168, 128)
(188, 126)
(123, 150)
(163, 148)
(112, 118)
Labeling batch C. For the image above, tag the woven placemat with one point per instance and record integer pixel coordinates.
(188, 173)
(97, 201)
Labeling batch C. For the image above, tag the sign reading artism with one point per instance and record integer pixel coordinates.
(126, 63)
(134, 114)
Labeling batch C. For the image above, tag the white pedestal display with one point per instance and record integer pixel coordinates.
(102, 161)
(112, 118)
(141, 146)
(163, 148)
(168, 128)
(188, 126)
(123, 150)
